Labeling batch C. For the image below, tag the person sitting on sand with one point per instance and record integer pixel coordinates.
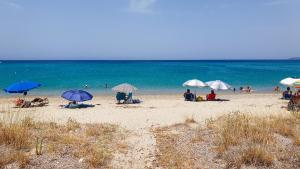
(71, 104)
(188, 96)
(19, 102)
(287, 94)
(211, 96)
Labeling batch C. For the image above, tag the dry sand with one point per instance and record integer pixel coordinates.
(154, 111)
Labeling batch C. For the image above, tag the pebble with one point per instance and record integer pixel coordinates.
(81, 160)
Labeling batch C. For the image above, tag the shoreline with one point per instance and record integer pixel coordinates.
(111, 93)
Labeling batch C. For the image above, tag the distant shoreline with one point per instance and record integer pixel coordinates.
(154, 94)
(143, 60)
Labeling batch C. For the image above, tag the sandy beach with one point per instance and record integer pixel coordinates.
(155, 110)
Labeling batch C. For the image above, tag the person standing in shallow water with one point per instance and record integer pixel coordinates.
(106, 86)
(277, 89)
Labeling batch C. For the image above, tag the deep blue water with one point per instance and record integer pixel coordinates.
(148, 76)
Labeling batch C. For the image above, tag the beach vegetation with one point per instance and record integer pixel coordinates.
(234, 140)
(23, 139)
(190, 120)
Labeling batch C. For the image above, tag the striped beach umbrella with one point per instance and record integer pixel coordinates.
(288, 81)
(297, 84)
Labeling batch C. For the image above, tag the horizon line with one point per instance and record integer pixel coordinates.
(272, 59)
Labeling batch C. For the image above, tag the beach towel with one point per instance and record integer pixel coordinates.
(78, 106)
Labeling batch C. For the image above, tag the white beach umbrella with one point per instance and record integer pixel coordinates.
(125, 87)
(194, 83)
(218, 85)
(289, 81)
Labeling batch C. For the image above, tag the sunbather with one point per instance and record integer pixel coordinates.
(75, 105)
(38, 102)
(26, 104)
(211, 96)
(19, 102)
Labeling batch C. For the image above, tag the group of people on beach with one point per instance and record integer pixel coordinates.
(188, 96)
(246, 89)
(288, 93)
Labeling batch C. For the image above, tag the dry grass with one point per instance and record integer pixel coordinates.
(96, 130)
(238, 128)
(20, 157)
(169, 156)
(72, 125)
(173, 147)
(15, 134)
(257, 155)
(95, 143)
(14, 131)
(190, 120)
(99, 156)
(247, 140)
(287, 126)
(236, 140)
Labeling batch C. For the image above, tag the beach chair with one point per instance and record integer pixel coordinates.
(120, 96)
(287, 96)
(39, 102)
(130, 100)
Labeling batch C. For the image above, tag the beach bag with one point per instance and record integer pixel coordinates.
(199, 98)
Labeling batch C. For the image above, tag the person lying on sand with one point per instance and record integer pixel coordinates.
(39, 100)
(75, 105)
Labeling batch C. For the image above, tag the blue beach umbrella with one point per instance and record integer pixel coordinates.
(77, 95)
(21, 87)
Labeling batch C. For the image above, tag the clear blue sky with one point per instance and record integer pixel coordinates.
(149, 29)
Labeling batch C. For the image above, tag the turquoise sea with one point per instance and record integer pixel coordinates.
(148, 76)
